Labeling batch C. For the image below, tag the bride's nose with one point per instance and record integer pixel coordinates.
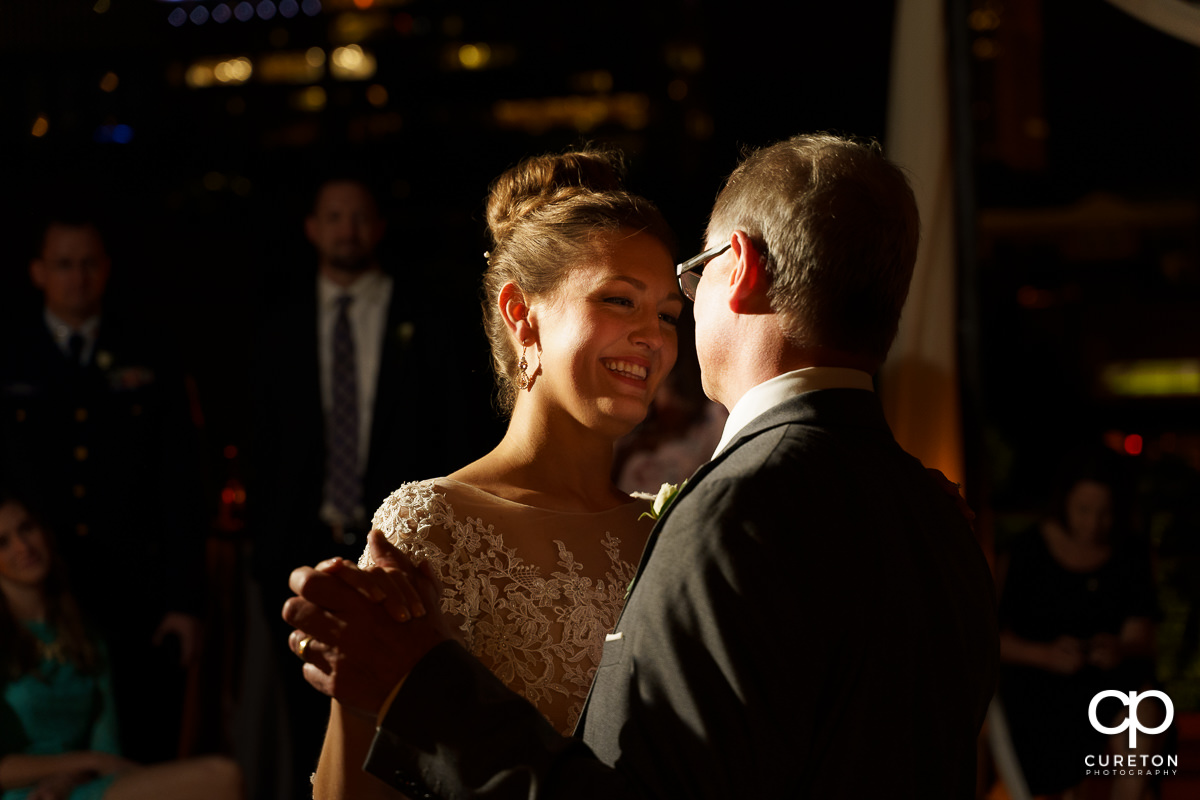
(648, 331)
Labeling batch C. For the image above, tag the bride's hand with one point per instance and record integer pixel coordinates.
(389, 585)
(349, 633)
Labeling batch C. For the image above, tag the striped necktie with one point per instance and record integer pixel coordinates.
(344, 484)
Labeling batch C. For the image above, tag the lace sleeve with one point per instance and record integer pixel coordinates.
(405, 518)
(532, 593)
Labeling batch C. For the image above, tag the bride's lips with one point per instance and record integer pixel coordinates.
(630, 370)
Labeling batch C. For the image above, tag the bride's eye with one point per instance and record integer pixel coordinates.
(670, 319)
(620, 301)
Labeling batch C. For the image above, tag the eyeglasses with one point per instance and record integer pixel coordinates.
(689, 272)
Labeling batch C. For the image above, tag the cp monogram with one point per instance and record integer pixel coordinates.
(1131, 722)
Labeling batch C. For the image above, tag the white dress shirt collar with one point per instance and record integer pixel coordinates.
(371, 285)
(61, 333)
(770, 393)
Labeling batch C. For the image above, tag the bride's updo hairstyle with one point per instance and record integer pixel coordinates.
(546, 217)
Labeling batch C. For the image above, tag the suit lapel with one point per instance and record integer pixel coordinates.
(392, 362)
(690, 484)
(833, 406)
(846, 404)
(697, 476)
(779, 415)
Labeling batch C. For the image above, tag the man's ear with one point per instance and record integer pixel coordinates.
(515, 311)
(37, 273)
(748, 281)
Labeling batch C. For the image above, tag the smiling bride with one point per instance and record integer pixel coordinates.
(533, 543)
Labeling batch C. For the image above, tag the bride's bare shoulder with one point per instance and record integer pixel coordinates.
(485, 475)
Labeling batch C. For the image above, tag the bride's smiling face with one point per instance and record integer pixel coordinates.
(608, 333)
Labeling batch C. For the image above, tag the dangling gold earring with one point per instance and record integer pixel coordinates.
(522, 365)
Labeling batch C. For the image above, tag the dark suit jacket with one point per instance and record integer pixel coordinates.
(815, 619)
(109, 454)
(424, 423)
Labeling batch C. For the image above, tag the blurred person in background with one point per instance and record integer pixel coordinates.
(356, 390)
(96, 427)
(1077, 611)
(58, 720)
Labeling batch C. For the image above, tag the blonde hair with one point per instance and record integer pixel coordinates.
(544, 216)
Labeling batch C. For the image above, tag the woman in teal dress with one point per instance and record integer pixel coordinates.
(58, 727)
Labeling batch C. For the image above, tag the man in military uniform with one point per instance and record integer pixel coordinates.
(95, 432)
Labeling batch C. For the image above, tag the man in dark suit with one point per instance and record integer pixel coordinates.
(354, 395)
(812, 618)
(96, 431)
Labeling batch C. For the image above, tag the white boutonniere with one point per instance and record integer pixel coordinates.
(666, 495)
(662, 501)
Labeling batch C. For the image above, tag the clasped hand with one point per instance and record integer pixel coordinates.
(360, 632)
(1067, 655)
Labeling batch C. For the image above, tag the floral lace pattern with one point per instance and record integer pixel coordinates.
(539, 626)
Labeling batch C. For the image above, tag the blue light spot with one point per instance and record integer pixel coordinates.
(222, 13)
(199, 15)
(107, 134)
(311, 7)
(266, 9)
(244, 11)
(289, 8)
(177, 17)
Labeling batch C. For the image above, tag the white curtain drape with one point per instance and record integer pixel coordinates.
(919, 383)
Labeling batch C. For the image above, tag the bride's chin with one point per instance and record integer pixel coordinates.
(620, 421)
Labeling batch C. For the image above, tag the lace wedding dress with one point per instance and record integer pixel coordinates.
(534, 590)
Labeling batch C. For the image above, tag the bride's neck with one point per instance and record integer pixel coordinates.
(565, 467)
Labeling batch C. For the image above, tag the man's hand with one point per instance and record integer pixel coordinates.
(189, 629)
(368, 628)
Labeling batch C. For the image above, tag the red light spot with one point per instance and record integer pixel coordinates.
(1133, 444)
(228, 496)
(1033, 297)
(231, 451)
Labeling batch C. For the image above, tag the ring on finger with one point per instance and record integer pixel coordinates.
(302, 647)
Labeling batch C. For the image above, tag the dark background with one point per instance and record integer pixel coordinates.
(1058, 103)
(205, 203)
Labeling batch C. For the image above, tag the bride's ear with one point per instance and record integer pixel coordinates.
(515, 310)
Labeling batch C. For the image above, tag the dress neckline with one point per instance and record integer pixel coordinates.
(634, 501)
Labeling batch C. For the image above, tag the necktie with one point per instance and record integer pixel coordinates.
(344, 485)
(75, 349)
